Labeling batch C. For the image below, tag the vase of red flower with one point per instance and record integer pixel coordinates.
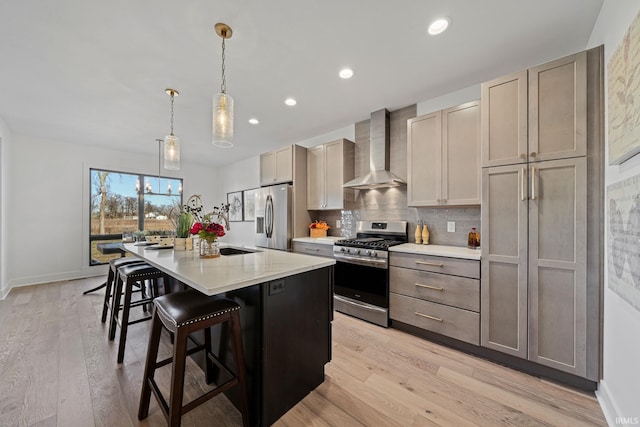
(208, 232)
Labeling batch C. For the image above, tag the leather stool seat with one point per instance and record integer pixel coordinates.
(128, 277)
(183, 313)
(114, 264)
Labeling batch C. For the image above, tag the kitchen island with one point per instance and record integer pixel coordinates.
(286, 314)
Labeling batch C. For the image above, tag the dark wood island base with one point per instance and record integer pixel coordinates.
(286, 327)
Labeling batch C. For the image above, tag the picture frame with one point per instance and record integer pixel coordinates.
(249, 204)
(623, 74)
(235, 206)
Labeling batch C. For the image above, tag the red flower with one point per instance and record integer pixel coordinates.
(196, 228)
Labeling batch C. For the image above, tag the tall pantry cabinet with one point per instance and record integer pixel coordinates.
(542, 183)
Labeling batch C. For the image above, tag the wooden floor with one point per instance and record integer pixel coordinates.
(57, 368)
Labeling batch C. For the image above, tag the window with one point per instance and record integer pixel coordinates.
(127, 203)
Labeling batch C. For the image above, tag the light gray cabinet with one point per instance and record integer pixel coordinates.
(537, 114)
(534, 262)
(276, 166)
(443, 155)
(319, 249)
(438, 294)
(328, 167)
(535, 217)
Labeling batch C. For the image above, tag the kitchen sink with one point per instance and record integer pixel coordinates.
(235, 251)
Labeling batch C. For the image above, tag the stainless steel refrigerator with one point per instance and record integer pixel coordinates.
(274, 217)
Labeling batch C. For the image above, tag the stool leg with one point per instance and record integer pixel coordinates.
(126, 308)
(177, 377)
(150, 366)
(115, 306)
(107, 295)
(238, 355)
(209, 372)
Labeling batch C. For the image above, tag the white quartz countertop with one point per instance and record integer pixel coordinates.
(437, 250)
(213, 276)
(329, 240)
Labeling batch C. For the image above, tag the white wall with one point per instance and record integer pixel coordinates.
(47, 226)
(243, 175)
(619, 390)
(5, 167)
(452, 99)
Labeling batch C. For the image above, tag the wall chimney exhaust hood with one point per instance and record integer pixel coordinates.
(379, 175)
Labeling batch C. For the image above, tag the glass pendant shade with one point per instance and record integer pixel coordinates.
(172, 152)
(222, 120)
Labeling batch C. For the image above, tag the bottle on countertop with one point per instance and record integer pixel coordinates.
(474, 239)
(418, 234)
(425, 235)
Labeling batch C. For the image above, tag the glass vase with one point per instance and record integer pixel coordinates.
(209, 249)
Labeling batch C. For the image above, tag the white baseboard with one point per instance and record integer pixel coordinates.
(50, 278)
(607, 403)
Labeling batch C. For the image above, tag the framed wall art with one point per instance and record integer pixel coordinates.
(235, 206)
(624, 92)
(623, 239)
(249, 204)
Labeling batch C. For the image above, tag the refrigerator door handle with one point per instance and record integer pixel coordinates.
(268, 213)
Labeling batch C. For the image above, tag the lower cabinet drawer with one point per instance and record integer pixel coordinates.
(453, 322)
(313, 249)
(456, 291)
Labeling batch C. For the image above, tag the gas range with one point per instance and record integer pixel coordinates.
(372, 242)
(361, 279)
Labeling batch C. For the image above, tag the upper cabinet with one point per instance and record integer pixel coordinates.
(328, 167)
(276, 166)
(443, 157)
(537, 114)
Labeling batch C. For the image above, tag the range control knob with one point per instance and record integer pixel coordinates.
(343, 249)
(374, 254)
(356, 251)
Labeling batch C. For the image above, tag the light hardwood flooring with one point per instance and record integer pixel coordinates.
(57, 368)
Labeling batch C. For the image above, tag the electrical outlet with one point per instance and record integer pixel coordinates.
(276, 287)
(338, 223)
(451, 226)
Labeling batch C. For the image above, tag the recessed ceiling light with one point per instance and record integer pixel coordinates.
(346, 73)
(254, 121)
(438, 26)
(290, 102)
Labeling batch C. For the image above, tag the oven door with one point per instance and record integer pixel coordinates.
(362, 291)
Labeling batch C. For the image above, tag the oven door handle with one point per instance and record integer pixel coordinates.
(376, 263)
(359, 304)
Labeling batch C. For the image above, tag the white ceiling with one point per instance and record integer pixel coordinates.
(94, 72)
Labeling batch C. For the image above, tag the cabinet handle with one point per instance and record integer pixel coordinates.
(433, 264)
(523, 189)
(533, 154)
(420, 285)
(311, 250)
(523, 156)
(533, 183)
(437, 319)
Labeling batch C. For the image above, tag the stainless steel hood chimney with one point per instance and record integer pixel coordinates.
(379, 175)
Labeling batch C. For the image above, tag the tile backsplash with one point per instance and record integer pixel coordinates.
(391, 203)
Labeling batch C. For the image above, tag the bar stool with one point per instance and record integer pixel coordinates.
(182, 313)
(114, 264)
(129, 276)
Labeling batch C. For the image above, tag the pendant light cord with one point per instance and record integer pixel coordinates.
(172, 95)
(159, 156)
(223, 85)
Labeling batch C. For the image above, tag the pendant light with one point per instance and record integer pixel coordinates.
(172, 142)
(223, 103)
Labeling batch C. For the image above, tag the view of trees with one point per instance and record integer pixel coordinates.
(115, 204)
